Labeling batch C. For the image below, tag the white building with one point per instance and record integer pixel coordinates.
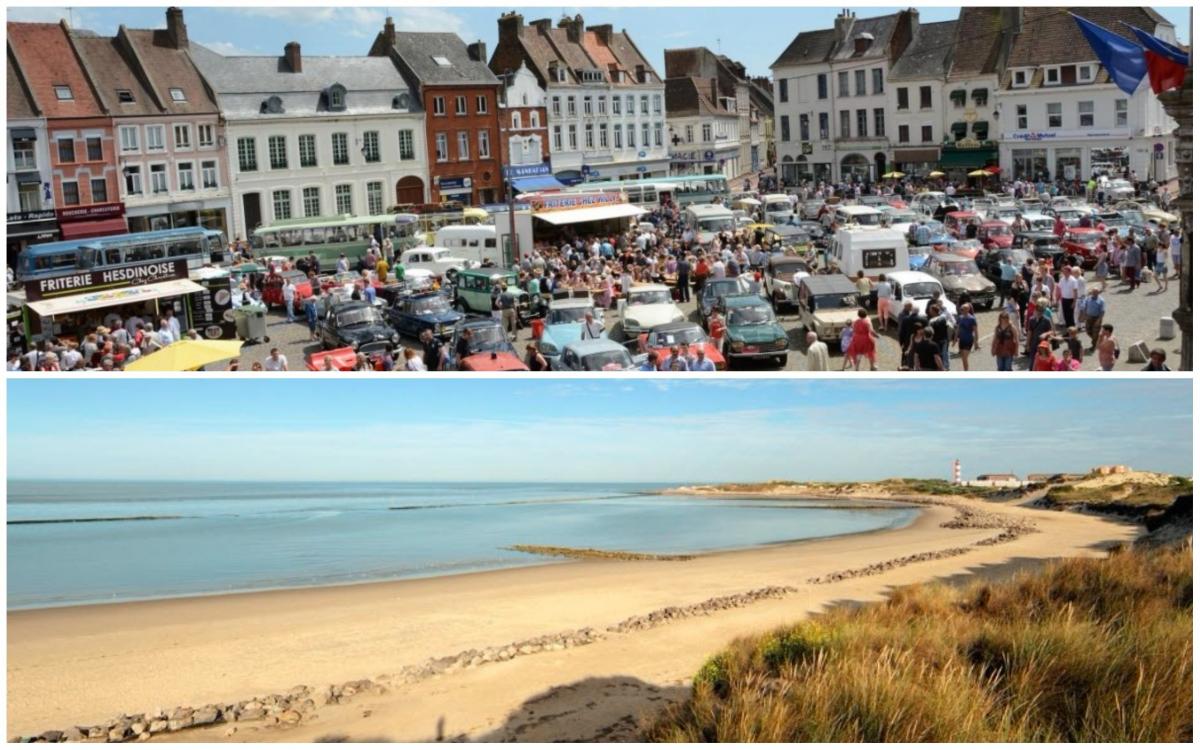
(916, 98)
(831, 103)
(523, 119)
(703, 128)
(1061, 116)
(605, 102)
(317, 136)
(31, 217)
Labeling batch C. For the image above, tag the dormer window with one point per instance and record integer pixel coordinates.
(1086, 74)
(124, 96)
(1020, 79)
(442, 61)
(63, 93)
(1052, 78)
(401, 101)
(272, 106)
(177, 95)
(337, 97)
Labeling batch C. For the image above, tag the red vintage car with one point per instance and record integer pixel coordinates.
(995, 235)
(1085, 242)
(342, 359)
(661, 338)
(493, 362)
(956, 222)
(273, 289)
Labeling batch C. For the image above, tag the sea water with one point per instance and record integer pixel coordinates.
(195, 538)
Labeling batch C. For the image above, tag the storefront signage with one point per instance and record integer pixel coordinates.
(1054, 135)
(563, 202)
(89, 213)
(518, 171)
(454, 183)
(24, 216)
(88, 281)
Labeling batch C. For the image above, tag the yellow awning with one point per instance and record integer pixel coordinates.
(187, 355)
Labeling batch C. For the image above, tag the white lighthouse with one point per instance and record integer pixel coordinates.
(957, 472)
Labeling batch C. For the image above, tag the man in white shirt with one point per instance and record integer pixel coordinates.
(1068, 293)
(276, 362)
(817, 357)
(173, 323)
(289, 299)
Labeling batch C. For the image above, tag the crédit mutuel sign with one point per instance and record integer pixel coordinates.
(109, 278)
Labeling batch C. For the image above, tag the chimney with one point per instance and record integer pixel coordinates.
(176, 30)
(603, 32)
(291, 51)
(511, 25)
(712, 92)
(843, 24)
(542, 25)
(574, 27)
(389, 32)
(477, 52)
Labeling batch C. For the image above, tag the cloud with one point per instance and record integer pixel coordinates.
(229, 48)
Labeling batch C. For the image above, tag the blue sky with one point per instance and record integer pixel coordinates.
(589, 430)
(753, 35)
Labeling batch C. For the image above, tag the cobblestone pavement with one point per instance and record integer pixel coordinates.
(1135, 316)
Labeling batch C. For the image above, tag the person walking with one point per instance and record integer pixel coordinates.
(968, 337)
(683, 279)
(1092, 313)
(816, 358)
(1004, 343)
(862, 343)
(289, 299)
(1067, 292)
(883, 301)
(507, 303)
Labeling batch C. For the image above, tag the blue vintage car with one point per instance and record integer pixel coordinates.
(564, 325)
(419, 312)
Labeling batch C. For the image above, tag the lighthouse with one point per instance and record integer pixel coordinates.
(957, 472)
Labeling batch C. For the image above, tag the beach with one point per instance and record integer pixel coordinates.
(82, 666)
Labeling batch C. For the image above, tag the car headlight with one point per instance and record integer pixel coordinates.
(736, 346)
(395, 338)
(781, 343)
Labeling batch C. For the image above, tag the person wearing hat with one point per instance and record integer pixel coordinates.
(1044, 360)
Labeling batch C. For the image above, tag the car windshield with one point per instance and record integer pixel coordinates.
(919, 289)
(834, 301)
(1016, 257)
(430, 305)
(359, 317)
(1085, 237)
(653, 297)
(716, 289)
(1114, 220)
(1006, 213)
(617, 359)
(958, 268)
(779, 206)
(689, 335)
(716, 225)
(900, 217)
(996, 232)
(567, 315)
(787, 269)
(750, 315)
(865, 219)
(485, 338)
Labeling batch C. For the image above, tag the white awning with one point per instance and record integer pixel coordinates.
(592, 213)
(112, 297)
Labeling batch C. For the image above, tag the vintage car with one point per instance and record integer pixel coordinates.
(687, 334)
(1037, 221)
(564, 324)
(1114, 190)
(595, 355)
(989, 261)
(827, 303)
(956, 222)
(414, 313)
(1085, 243)
(273, 289)
(487, 336)
(777, 208)
(343, 359)
(779, 279)
(916, 287)
(1045, 245)
(646, 306)
(359, 325)
(900, 219)
(1005, 212)
(1071, 215)
(751, 330)
(811, 209)
(715, 289)
(438, 260)
(472, 290)
(995, 233)
(962, 280)
(493, 362)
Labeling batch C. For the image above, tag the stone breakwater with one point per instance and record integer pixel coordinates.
(587, 553)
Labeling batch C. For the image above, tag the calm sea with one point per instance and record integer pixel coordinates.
(214, 537)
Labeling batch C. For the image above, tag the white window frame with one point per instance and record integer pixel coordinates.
(125, 130)
(166, 176)
(604, 135)
(1121, 116)
(556, 106)
(271, 140)
(706, 132)
(572, 137)
(587, 105)
(658, 104)
(133, 170)
(1091, 112)
(404, 138)
(216, 174)
(602, 104)
(534, 119)
(203, 130)
(1091, 73)
(344, 150)
(589, 137)
(481, 104)
(371, 147)
(516, 120)
(570, 106)
(312, 138)
(372, 209)
(1026, 74)
(161, 131)
(1022, 117)
(1049, 114)
(441, 146)
(617, 141)
(343, 191)
(463, 139)
(484, 145)
(460, 105)
(304, 198)
(1055, 69)
(439, 106)
(253, 148)
(286, 192)
(186, 129)
(179, 170)
(78, 195)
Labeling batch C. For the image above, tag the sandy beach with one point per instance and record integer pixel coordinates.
(81, 666)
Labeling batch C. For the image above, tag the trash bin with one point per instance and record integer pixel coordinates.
(536, 327)
(252, 323)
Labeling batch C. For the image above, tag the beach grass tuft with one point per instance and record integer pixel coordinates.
(1083, 650)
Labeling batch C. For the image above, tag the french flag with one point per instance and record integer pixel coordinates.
(1124, 60)
(1166, 64)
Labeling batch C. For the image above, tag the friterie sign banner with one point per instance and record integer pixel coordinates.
(567, 201)
(109, 278)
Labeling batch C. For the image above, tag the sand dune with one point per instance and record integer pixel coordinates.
(653, 624)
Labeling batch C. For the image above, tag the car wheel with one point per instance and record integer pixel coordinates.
(461, 306)
(781, 361)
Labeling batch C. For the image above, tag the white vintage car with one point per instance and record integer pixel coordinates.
(438, 260)
(647, 306)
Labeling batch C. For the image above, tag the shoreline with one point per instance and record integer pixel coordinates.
(475, 647)
(533, 559)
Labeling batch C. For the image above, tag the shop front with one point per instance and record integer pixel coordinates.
(959, 159)
(569, 215)
(210, 214)
(456, 189)
(1072, 155)
(721, 159)
(97, 220)
(72, 305)
(27, 228)
(916, 162)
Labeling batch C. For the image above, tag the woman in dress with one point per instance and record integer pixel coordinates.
(862, 343)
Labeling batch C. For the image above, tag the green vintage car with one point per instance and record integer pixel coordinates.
(751, 330)
(472, 290)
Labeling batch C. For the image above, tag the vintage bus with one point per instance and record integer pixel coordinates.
(330, 236)
(199, 246)
(649, 193)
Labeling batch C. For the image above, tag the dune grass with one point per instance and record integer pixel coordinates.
(1120, 495)
(1079, 651)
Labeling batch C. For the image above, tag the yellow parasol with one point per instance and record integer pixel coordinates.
(937, 174)
(188, 354)
(979, 173)
(893, 176)
(474, 214)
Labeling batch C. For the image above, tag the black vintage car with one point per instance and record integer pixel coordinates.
(989, 261)
(359, 325)
(431, 311)
(1043, 245)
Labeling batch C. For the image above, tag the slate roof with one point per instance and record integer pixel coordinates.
(44, 53)
(20, 105)
(418, 48)
(688, 96)
(808, 47)
(880, 27)
(1050, 36)
(169, 68)
(979, 42)
(242, 83)
(928, 54)
(554, 46)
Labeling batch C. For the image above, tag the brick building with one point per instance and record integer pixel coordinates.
(460, 97)
(83, 162)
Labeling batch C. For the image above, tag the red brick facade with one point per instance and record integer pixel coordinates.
(84, 168)
(444, 119)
